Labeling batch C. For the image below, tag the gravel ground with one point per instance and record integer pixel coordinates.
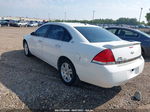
(29, 83)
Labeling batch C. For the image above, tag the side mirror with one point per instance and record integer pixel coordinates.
(33, 33)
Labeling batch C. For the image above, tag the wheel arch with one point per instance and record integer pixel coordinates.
(61, 58)
(24, 40)
(143, 50)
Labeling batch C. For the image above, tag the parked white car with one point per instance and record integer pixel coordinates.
(85, 52)
(33, 24)
(22, 23)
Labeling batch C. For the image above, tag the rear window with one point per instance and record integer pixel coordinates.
(143, 33)
(112, 30)
(127, 33)
(97, 34)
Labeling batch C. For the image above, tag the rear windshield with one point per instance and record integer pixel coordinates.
(97, 34)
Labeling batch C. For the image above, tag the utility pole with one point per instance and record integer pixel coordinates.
(65, 15)
(93, 14)
(140, 14)
(49, 16)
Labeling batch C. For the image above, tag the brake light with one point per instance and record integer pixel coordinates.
(104, 57)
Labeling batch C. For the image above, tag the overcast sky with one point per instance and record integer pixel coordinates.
(75, 9)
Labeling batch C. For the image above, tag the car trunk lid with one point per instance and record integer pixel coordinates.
(123, 51)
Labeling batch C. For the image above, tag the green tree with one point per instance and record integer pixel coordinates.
(128, 21)
(148, 18)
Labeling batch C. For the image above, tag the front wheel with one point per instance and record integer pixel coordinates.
(67, 73)
(26, 49)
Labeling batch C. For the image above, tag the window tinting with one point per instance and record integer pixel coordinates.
(128, 33)
(67, 36)
(58, 33)
(97, 34)
(55, 32)
(42, 31)
(112, 30)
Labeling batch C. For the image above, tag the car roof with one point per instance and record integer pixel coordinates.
(72, 24)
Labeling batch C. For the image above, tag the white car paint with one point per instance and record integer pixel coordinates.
(81, 53)
(34, 24)
(22, 23)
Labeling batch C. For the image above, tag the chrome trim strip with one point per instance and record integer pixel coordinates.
(128, 60)
(112, 63)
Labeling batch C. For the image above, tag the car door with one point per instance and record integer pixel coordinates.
(36, 42)
(53, 44)
(128, 35)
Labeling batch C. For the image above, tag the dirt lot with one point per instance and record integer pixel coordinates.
(29, 83)
(145, 30)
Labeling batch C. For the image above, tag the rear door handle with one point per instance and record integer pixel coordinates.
(58, 46)
(40, 41)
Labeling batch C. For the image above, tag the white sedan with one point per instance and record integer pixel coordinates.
(85, 52)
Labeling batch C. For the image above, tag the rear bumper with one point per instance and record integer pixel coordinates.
(108, 76)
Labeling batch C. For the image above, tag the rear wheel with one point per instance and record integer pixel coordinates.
(26, 49)
(67, 73)
(143, 53)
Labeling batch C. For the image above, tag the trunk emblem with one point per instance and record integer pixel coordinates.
(121, 59)
(132, 52)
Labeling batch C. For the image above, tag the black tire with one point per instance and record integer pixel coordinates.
(74, 78)
(26, 49)
(143, 53)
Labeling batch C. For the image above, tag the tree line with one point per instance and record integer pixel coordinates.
(128, 21)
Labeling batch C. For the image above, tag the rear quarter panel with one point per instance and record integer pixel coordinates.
(81, 54)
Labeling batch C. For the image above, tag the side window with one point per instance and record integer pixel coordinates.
(42, 31)
(58, 33)
(55, 32)
(121, 33)
(67, 36)
(127, 33)
(112, 30)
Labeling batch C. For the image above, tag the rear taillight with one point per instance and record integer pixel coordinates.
(104, 57)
